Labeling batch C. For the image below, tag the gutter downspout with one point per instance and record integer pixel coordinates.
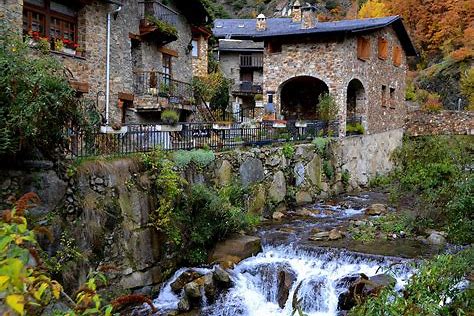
(107, 67)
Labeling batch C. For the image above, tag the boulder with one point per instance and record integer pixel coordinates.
(303, 198)
(251, 171)
(278, 215)
(313, 171)
(379, 281)
(319, 236)
(193, 290)
(286, 278)
(224, 173)
(335, 234)
(183, 304)
(257, 202)
(435, 238)
(299, 172)
(222, 277)
(183, 279)
(277, 191)
(376, 209)
(237, 248)
(304, 212)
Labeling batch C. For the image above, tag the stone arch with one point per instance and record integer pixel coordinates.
(355, 102)
(299, 97)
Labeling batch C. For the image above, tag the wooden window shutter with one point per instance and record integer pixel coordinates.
(363, 48)
(397, 56)
(383, 48)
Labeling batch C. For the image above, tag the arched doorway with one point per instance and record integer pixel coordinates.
(355, 106)
(300, 96)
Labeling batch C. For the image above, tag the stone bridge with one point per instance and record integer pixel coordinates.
(421, 122)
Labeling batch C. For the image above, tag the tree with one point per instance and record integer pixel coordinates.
(373, 9)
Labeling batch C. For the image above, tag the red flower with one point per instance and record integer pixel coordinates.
(66, 41)
(75, 45)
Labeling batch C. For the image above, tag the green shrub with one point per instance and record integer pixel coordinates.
(410, 94)
(169, 116)
(345, 177)
(356, 128)
(327, 107)
(288, 151)
(321, 145)
(328, 169)
(460, 212)
(163, 26)
(379, 181)
(427, 292)
(199, 157)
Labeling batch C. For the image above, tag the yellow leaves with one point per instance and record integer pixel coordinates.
(373, 9)
(57, 288)
(16, 302)
(3, 282)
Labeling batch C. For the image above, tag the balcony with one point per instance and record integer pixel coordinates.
(156, 90)
(247, 88)
(251, 61)
(157, 22)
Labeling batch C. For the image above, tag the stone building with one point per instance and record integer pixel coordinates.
(362, 64)
(155, 49)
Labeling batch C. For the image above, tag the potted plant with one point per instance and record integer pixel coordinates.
(164, 90)
(79, 51)
(44, 44)
(259, 100)
(222, 125)
(170, 117)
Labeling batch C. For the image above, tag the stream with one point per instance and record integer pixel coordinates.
(318, 271)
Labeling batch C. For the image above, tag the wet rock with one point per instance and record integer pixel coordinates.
(184, 305)
(313, 171)
(335, 234)
(377, 282)
(299, 172)
(257, 203)
(237, 248)
(193, 290)
(222, 277)
(303, 198)
(183, 279)
(277, 191)
(304, 212)
(376, 209)
(286, 278)
(209, 286)
(278, 215)
(251, 171)
(319, 236)
(435, 238)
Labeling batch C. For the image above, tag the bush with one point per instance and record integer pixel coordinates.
(321, 145)
(169, 117)
(410, 94)
(328, 169)
(433, 103)
(467, 87)
(36, 101)
(200, 157)
(288, 151)
(327, 107)
(356, 128)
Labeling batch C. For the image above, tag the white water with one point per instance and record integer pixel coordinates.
(255, 289)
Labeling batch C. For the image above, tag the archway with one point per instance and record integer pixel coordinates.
(300, 96)
(355, 105)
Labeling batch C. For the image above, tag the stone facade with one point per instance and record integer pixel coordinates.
(440, 123)
(335, 62)
(127, 54)
(200, 62)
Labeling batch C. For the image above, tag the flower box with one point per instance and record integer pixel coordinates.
(279, 124)
(222, 125)
(169, 128)
(301, 124)
(69, 51)
(106, 129)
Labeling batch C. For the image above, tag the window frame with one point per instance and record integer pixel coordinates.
(48, 15)
(363, 48)
(197, 47)
(384, 96)
(167, 67)
(397, 56)
(382, 45)
(274, 47)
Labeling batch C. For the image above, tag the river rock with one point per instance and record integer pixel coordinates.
(377, 282)
(183, 279)
(319, 236)
(299, 172)
(303, 198)
(435, 238)
(313, 171)
(376, 209)
(277, 189)
(304, 212)
(236, 248)
(335, 234)
(183, 304)
(286, 278)
(221, 277)
(278, 215)
(251, 171)
(257, 202)
(193, 290)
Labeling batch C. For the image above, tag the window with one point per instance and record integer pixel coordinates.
(392, 98)
(363, 48)
(384, 95)
(383, 48)
(166, 62)
(47, 18)
(397, 56)
(195, 49)
(274, 47)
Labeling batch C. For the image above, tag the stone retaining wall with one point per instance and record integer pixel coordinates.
(440, 123)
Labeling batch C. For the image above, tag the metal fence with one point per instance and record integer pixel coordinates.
(158, 10)
(155, 83)
(186, 136)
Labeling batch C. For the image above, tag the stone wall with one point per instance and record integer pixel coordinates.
(334, 61)
(200, 62)
(440, 123)
(103, 206)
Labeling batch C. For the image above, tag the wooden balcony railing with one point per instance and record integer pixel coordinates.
(251, 61)
(158, 10)
(155, 83)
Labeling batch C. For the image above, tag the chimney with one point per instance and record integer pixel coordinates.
(308, 17)
(296, 12)
(261, 22)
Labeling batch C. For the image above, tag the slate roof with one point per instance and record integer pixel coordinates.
(285, 27)
(240, 45)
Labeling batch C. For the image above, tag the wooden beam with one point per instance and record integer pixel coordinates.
(168, 51)
(82, 87)
(126, 96)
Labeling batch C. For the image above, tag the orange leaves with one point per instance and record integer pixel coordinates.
(26, 201)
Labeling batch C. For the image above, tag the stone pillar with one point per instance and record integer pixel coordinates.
(296, 11)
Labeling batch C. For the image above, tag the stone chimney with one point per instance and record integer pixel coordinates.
(308, 17)
(261, 22)
(296, 11)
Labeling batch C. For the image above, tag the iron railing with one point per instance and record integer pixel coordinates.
(251, 61)
(158, 10)
(186, 136)
(155, 83)
(248, 87)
